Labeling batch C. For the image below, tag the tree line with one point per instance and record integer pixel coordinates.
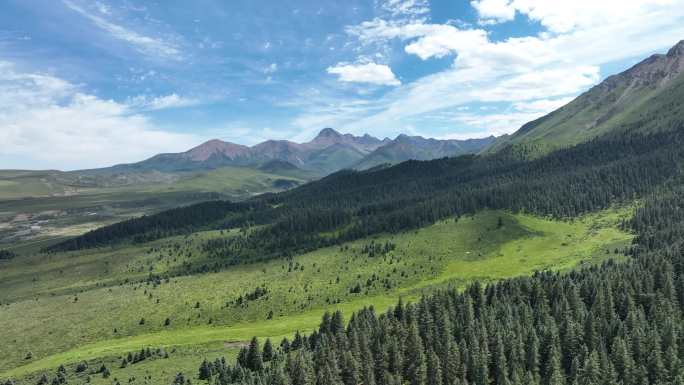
(618, 323)
(351, 205)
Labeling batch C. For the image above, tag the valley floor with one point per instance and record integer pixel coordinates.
(100, 305)
(38, 208)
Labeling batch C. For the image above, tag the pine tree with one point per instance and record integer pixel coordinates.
(452, 372)
(591, 371)
(414, 363)
(434, 369)
(328, 376)
(500, 365)
(654, 363)
(254, 360)
(268, 353)
(242, 359)
(554, 372)
(622, 359)
(299, 369)
(205, 371)
(349, 369)
(532, 357)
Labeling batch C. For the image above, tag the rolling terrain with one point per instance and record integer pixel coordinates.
(563, 266)
(46, 206)
(40, 207)
(116, 283)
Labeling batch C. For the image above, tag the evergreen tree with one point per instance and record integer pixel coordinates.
(300, 369)
(205, 371)
(434, 369)
(268, 353)
(254, 360)
(414, 363)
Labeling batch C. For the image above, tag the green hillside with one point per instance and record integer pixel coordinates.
(648, 97)
(205, 278)
(89, 289)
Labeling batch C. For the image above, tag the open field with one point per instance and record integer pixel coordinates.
(66, 308)
(40, 207)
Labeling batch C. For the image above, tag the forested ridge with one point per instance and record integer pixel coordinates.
(350, 205)
(613, 324)
(619, 323)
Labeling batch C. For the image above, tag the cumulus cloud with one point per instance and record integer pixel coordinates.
(525, 72)
(427, 40)
(565, 16)
(144, 44)
(494, 10)
(50, 123)
(372, 73)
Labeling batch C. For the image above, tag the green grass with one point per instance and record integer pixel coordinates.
(234, 181)
(42, 207)
(42, 316)
(17, 184)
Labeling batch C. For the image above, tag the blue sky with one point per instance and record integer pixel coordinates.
(93, 83)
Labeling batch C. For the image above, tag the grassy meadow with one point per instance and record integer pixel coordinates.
(100, 305)
(38, 208)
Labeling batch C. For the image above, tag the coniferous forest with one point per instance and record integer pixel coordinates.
(350, 205)
(619, 323)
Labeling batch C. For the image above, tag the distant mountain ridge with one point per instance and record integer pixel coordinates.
(406, 147)
(328, 152)
(647, 97)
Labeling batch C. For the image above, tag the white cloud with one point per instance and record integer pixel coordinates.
(442, 40)
(542, 106)
(173, 100)
(144, 44)
(451, 89)
(428, 40)
(494, 10)
(565, 16)
(372, 73)
(51, 123)
(522, 71)
(495, 123)
(499, 123)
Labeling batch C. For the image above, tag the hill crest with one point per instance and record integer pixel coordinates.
(645, 98)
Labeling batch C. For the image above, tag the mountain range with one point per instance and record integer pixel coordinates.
(328, 152)
(647, 98)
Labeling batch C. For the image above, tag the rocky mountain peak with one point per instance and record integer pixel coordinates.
(677, 50)
(328, 133)
(216, 147)
(655, 71)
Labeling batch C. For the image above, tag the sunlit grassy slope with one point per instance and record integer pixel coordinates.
(79, 306)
